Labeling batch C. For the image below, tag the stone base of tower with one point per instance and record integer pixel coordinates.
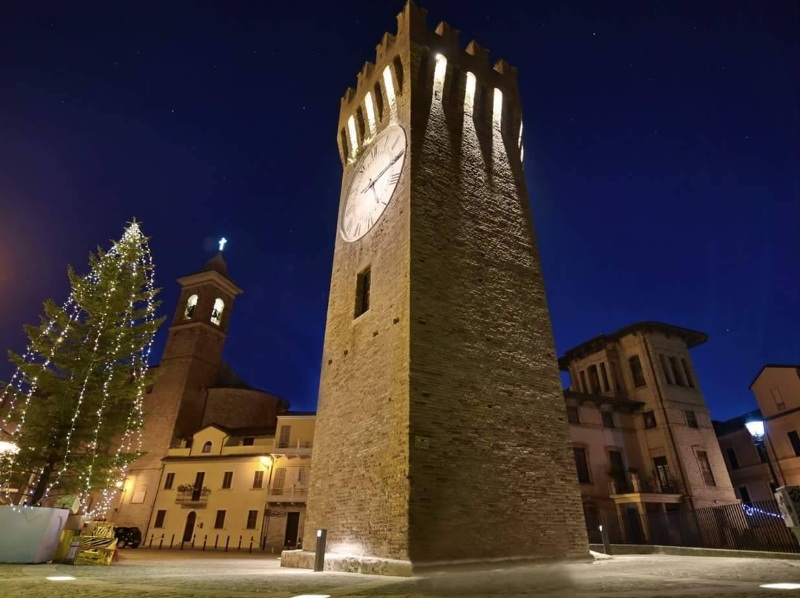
(304, 559)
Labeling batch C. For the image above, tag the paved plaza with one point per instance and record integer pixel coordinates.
(151, 573)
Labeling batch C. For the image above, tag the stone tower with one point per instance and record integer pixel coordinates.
(441, 433)
(189, 365)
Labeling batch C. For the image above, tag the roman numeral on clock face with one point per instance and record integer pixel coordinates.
(394, 178)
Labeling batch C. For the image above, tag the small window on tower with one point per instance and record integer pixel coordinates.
(363, 284)
(216, 313)
(190, 305)
(207, 447)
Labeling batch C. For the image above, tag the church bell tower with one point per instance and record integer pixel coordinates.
(441, 433)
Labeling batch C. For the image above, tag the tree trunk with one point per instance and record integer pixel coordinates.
(44, 480)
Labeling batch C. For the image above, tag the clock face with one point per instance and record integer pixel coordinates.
(373, 182)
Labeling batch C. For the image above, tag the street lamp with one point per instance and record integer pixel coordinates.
(759, 433)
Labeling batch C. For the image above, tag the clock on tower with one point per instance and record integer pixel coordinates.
(441, 434)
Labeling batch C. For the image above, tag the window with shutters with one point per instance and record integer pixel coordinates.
(286, 432)
(258, 479)
(279, 480)
(705, 468)
(227, 479)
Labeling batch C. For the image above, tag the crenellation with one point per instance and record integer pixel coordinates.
(412, 21)
(502, 67)
(348, 96)
(365, 75)
(448, 34)
(480, 54)
(383, 49)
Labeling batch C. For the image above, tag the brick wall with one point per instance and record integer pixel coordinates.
(441, 428)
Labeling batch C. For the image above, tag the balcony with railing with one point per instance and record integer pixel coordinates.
(190, 497)
(293, 447)
(632, 488)
(294, 493)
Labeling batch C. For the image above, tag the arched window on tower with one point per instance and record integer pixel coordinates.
(190, 305)
(207, 447)
(216, 313)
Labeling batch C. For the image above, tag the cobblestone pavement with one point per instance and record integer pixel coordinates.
(144, 573)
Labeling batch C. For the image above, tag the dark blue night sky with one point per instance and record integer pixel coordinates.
(662, 152)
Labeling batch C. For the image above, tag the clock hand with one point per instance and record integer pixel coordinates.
(382, 172)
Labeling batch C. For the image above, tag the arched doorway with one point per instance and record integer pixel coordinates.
(188, 531)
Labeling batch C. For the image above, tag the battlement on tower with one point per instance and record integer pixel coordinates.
(380, 84)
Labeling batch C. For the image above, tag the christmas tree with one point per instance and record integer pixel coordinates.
(73, 408)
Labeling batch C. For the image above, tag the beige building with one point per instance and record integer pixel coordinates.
(777, 391)
(641, 432)
(194, 389)
(237, 488)
(747, 466)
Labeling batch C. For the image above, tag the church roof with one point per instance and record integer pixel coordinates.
(227, 378)
(215, 264)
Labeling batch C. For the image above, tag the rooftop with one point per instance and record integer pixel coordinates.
(692, 338)
(735, 423)
(770, 366)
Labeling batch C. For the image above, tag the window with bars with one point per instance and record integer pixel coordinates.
(691, 419)
(227, 479)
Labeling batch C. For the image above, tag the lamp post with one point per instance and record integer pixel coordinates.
(758, 432)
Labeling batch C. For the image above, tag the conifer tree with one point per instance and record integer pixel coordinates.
(73, 407)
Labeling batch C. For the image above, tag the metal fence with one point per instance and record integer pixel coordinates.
(225, 543)
(754, 526)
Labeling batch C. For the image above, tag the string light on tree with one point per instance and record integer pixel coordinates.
(79, 386)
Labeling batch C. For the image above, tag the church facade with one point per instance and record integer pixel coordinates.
(194, 389)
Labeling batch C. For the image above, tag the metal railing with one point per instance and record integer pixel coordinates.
(634, 484)
(289, 493)
(298, 444)
(755, 526)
